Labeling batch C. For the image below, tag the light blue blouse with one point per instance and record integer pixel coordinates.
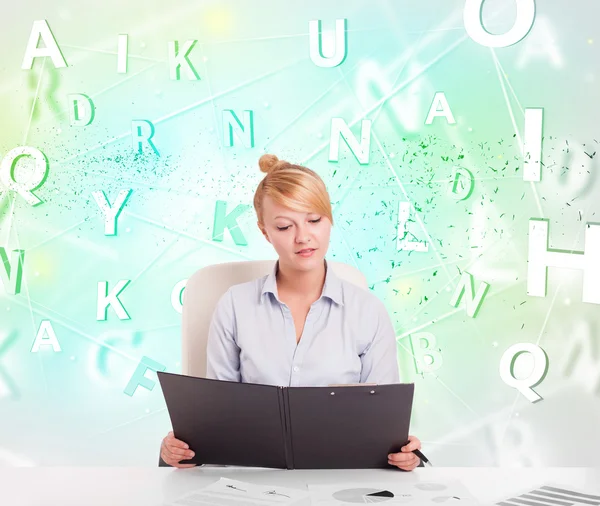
(348, 337)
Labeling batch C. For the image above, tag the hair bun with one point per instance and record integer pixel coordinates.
(267, 163)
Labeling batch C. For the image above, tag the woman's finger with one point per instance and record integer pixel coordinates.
(167, 457)
(174, 450)
(170, 459)
(413, 444)
(174, 460)
(401, 457)
(403, 463)
(180, 452)
(177, 443)
(408, 468)
(177, 454)
(178, 448)
(409, 464)
(171, 454)
(414, 464)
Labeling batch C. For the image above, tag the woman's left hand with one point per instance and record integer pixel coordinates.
(406, 459)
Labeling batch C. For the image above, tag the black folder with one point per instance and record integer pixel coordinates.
(247, 424)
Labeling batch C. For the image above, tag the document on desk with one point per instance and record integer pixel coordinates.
(226, 492)
(550, 496)
(417, 493)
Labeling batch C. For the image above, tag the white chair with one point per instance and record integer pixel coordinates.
(205, 287)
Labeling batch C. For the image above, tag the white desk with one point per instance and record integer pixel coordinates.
(126, 486)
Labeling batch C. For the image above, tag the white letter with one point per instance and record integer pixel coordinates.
(473, 301)
(122, 54)
(440, 100)
(581, 360)
(340, 50)
(11, 272)
(243, 131)
(7, 383)
(474, 26)
(340, 128)
(40, 340)
(402, 240)
(540, 258)
(81, 110)
(178, 57)
(138, 378)
(463, 193)
(41, 29)
(427, 358)
(142, 131)
(105, 300)
(403, 109)
(35, 180)
(532, 145)
(572, 183)
(537, 375)
(177, 296)
(540, 43)
(223, 220)
(111, 213)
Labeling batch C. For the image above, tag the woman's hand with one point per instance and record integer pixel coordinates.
(406, 459)
(172, 451)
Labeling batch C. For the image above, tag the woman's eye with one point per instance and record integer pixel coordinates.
(283, 228)
(316, 221)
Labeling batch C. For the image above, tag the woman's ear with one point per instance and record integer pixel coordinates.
(264, 231)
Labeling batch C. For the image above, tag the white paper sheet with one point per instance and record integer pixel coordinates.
(417, 494)
(226, 492)
(549, 495)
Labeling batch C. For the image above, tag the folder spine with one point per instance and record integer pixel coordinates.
(284, 435)
(285, 425)
(288, 424)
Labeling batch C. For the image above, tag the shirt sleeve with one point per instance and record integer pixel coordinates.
(380, 359)
(223, 353)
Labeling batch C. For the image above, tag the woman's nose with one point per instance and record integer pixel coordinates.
(302, 235)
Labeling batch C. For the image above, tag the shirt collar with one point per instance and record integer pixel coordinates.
(332, 288)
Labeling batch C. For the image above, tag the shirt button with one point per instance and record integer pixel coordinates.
(296, 368)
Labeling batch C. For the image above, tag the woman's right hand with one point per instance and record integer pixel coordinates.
(172, 451)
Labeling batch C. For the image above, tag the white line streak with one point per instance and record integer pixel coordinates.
(24, 143)
(189, 236)
(58, 234)
(114, 53)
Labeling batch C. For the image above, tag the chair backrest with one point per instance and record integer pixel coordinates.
(205, 287)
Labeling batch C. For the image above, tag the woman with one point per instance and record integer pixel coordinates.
(308, 327)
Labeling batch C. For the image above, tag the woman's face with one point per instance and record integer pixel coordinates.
(300, 239)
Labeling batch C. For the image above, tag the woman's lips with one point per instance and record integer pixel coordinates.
(307, 252)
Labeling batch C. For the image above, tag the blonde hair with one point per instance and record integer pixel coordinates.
(293, 186)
